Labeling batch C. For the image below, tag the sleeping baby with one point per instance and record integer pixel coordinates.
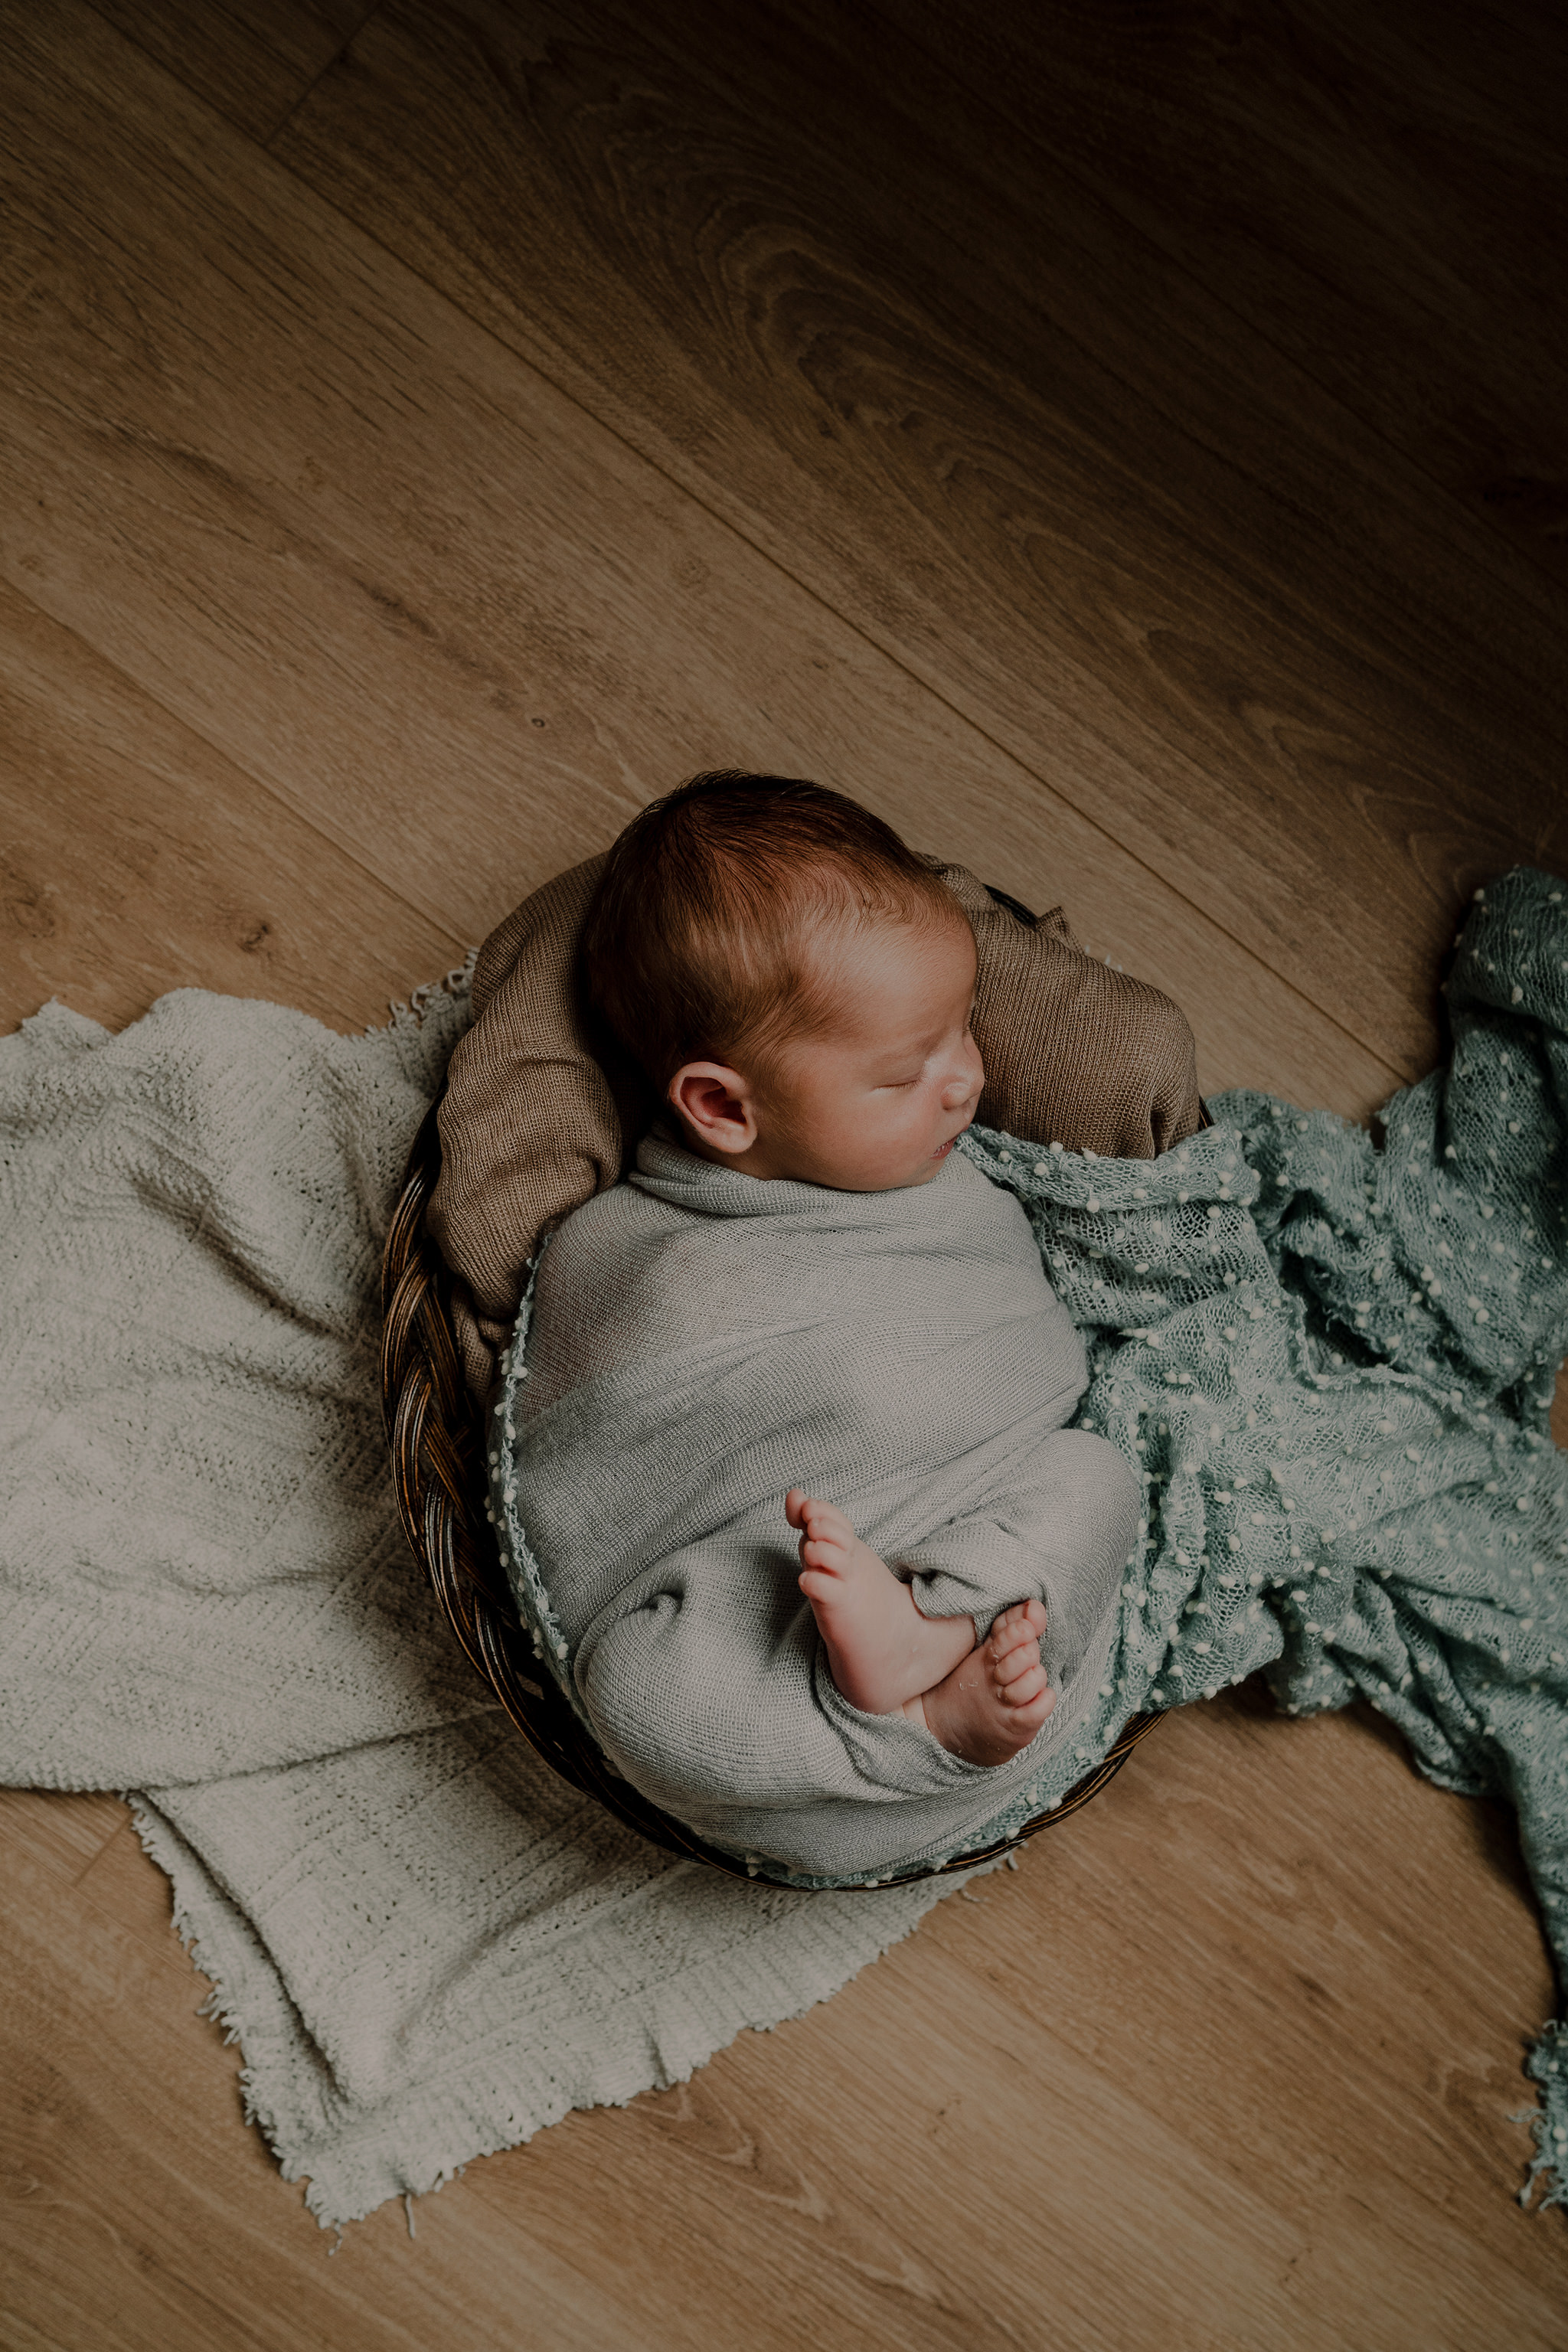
(833, 1575)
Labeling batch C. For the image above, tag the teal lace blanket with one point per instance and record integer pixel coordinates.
(1331, 1360)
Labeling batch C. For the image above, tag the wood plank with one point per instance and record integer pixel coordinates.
(1382, 192)
(970, 406)
(145, 2217)
(1180, 2024)
(134, 858)
(409, 587)
(253, 59)
(67, 1832)
(1230, 2059)
(1169, 1985)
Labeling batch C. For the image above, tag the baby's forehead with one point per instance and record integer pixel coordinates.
(883, 976)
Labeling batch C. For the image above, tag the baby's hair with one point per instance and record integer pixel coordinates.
(697, 944)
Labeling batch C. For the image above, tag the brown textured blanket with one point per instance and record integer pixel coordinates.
(542, 1111)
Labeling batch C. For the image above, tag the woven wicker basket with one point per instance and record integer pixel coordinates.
(437, 1462)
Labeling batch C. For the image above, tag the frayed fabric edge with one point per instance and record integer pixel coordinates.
(332, 2209)
(664, 2070)
(222, 2005)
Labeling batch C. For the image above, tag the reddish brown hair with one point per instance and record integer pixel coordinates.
(698, 943)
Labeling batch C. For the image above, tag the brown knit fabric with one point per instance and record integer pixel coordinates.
(541, 1104)
(1075, 1053)
(530, 1124)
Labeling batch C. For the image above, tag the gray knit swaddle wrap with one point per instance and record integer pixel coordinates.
(701, 1341)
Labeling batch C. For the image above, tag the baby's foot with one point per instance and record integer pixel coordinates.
(880, 1649)
(996, 1699)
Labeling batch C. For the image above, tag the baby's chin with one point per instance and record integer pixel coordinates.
(917, 1171)
(935, 1162)
(870, 1174)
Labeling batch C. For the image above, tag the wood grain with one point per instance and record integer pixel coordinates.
(960, 397)
(253, 59)
(412, 590)
(299, 550)
(66, 1833)
(1171, 1991)
(1383, 192)
(122, 2150)
(134, 858)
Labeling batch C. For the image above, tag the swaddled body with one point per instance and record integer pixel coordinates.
(772, 1325)
(698, 1337)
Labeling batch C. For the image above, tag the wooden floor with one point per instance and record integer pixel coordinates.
(1124, 443)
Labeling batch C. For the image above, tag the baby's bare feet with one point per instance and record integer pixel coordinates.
(996, 1699)
(880, 1648)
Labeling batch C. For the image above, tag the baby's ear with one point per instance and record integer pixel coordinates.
(715, 1103)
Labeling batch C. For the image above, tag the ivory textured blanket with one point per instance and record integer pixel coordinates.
(1331, 1361)
(426, 1945)
(700, 1343)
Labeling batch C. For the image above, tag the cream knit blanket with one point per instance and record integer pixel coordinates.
(426, 1946)
(699, 1340)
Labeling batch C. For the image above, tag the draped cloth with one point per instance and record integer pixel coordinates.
(1329, 1362)
(426, 1945)
(701, 1341)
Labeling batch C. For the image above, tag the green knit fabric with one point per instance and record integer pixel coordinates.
(1332, 1360)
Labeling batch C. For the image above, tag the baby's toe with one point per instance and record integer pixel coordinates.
(1024, 1688)
(1029, 1720)
(1019, 1660)
(1015, 1629)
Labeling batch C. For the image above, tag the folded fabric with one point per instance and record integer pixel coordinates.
(1332, 1366)
(427, 1944)
(541, 1109)
(701, 1341)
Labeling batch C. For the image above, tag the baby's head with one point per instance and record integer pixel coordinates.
(795, 982)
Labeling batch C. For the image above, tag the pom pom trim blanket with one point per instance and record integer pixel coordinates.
(1331, 1364)
(1330, 1359)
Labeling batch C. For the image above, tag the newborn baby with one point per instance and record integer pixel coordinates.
(804, 1321)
